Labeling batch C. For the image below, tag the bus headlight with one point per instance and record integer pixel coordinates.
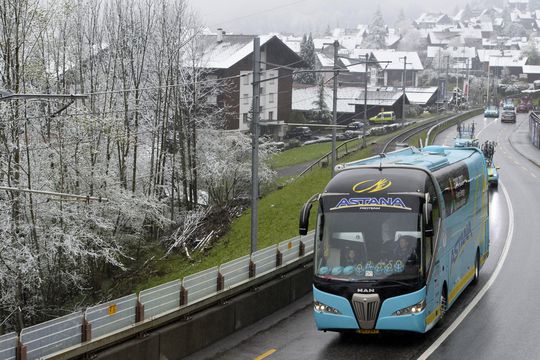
(414, 309)
(323, 308)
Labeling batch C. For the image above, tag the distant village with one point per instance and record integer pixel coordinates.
(430, 56)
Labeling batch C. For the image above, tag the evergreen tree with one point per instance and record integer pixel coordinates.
(376, 37)
(531, 52)
(307, 53)
(320, 112)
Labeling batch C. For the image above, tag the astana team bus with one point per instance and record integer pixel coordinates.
(398, 238)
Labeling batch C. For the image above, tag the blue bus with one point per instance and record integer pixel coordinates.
(398, 237)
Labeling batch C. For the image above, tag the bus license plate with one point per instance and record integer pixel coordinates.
(367, 331)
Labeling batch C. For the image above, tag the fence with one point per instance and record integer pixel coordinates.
(534, 129)
(116, 316)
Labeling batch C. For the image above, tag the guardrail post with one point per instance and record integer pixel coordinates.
(86, 333)
(139, 312)
(220, 282)
(279, 258)
(301, 249)
(21, 351)
(252, 269)
(183, 296)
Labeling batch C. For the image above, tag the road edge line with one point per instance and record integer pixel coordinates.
(486, 287)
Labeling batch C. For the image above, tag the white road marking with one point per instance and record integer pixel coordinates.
(486, 287)
(485, 127)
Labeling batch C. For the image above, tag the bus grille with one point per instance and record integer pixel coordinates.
(366, 308)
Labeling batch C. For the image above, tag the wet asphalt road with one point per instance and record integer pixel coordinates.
(505, 323)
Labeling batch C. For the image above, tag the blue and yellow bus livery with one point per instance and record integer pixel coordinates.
(398, 237)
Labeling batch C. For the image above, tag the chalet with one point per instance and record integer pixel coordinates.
(521, 5)
(430, 20)
(498, 64)
(230, 57)
(532, 72)
(389, 72)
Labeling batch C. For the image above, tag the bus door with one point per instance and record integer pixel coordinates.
(435, 281)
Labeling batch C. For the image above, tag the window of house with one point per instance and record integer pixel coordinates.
(261, 90)
(245, 118)
(271, 98)
(246, 99)
(270, 115)
(246, 79)
(271, 76)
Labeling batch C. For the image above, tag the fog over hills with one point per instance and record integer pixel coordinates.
(248, 16)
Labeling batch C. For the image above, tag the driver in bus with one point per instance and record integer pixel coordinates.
(405, 249)
(350, 258)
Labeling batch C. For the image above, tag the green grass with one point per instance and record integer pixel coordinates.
(301, 154)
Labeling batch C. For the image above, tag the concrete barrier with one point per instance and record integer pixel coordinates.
(182, 338)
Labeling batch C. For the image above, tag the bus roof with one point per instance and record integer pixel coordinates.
(431, 158)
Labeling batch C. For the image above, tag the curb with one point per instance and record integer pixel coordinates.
(534, 162)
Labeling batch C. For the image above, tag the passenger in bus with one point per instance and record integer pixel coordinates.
(405, 249)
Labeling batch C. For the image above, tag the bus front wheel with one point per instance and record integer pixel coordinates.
(444, 302)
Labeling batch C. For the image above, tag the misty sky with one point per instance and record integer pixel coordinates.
(251, 16)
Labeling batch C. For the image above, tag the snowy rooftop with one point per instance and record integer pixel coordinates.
(507, 61)
(444, 37)
(356, 68)
(302, 99)
(233, 48)
(396, 59)
(531, 69)
(485, 54)
(431, 18)
(420, 96)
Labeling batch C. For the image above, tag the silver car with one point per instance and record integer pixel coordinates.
(508, 116)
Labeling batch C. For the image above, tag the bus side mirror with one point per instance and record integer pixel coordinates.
(428, 226)
(303, 224)
(304, 218)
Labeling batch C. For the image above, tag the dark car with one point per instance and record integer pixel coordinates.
(355, 125)
(522, 108)
(508, 116)
(301, 133)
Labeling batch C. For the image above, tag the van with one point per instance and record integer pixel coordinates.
(383, 118)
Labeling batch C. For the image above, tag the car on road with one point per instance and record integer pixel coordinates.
(491, 111)
(509, 106)
(493, 176)
(384, 117)
(355, 125)
(522, 108)
(300, 132)
(508, 116)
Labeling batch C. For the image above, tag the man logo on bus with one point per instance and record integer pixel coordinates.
(371, 186)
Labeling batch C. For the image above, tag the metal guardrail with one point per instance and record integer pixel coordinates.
(80, 332)
(8, 346)
(433, 131)
(534, 129)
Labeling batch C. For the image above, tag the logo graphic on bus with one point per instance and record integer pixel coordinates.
(371, 186)
(370, 202)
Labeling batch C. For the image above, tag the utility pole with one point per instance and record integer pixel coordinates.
(487, 94)
(404, 79)
(334, 106)
(457, 84)
(255, 142)
(365, 104)
(447, 78)
(468, 83)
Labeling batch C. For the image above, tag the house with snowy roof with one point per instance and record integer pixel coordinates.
(229, 58)
(431, 20)
(391, 68)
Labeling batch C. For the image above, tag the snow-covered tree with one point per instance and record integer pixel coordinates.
(513, 29)
(307, 53)
(376, 37)
(531, 52)
(320, 111)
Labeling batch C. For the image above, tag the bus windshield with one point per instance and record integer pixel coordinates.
(364, 246)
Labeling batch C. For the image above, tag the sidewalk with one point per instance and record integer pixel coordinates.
(521, 143)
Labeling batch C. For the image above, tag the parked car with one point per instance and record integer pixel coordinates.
(383, 118)
(300, 132)
(355, 125)
(491, 111)
(508, 116)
